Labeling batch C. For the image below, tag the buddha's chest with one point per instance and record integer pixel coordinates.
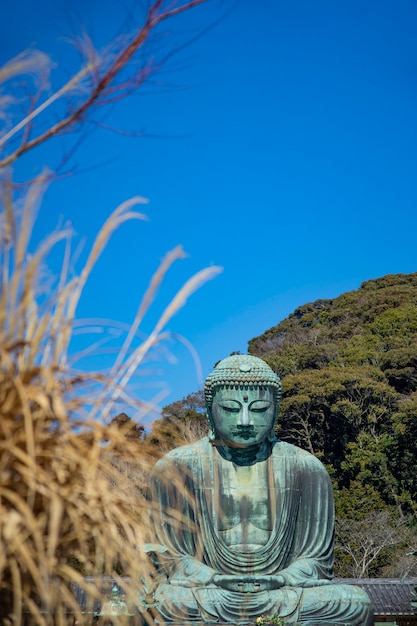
(244, 507)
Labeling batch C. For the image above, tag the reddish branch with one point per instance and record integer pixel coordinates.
(153, 18)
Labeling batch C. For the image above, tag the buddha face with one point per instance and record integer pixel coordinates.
(243, 417)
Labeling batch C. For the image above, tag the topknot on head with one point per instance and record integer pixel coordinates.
(241, 370)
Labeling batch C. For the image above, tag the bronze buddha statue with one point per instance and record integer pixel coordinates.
(245, 522)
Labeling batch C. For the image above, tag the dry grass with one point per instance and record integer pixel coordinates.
(71, 503)
(67, 511)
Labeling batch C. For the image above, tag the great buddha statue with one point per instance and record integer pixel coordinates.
(243, 522)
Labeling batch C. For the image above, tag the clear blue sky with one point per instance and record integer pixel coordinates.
(282, 146)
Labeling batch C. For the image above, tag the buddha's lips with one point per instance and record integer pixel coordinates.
(246, 432)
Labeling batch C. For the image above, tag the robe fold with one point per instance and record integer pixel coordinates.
(300, 547)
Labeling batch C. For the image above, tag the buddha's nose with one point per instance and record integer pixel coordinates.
(244, 416)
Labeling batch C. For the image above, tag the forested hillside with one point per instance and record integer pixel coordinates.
(349, 373)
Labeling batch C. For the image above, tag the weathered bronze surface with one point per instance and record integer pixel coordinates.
(245, 522)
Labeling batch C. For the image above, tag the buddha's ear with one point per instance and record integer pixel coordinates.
(211, 434)
(271, 436)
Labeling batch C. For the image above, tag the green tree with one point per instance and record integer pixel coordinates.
(192, 406)
(182, 421)
(130, 429)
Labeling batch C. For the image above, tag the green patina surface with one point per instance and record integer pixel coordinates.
(253, 527)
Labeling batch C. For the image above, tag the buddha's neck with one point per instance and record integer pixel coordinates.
(246, 456)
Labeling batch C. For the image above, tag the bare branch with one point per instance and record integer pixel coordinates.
(363, 540)
(154, 17)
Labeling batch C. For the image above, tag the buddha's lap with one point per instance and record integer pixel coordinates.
(333, 602)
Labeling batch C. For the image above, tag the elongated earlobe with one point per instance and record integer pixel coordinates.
(211, 432)
(271, 436)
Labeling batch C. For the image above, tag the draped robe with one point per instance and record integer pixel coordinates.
(300, 547)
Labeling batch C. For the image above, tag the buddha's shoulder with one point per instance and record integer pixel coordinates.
(186, 454)
(189, 450)
(296, 454)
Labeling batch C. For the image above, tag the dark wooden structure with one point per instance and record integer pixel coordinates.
(392, 598)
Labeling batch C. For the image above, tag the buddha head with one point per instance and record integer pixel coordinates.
(242, 397)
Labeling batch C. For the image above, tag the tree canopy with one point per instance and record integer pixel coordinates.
(349, 372)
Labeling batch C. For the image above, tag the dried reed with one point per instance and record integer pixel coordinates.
(69, 514)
